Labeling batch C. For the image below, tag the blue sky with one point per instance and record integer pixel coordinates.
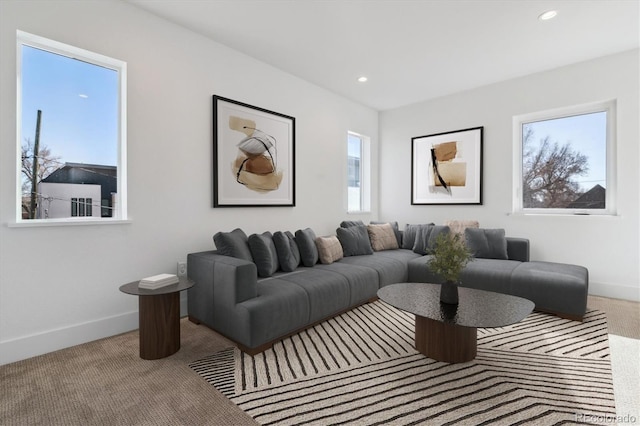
(79, 104)
(587, 134)
(353, 146)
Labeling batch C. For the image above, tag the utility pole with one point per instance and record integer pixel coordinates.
(34, 177)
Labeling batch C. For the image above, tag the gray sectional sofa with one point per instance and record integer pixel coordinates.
(256, 290)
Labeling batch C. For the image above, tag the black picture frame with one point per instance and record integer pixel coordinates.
(446, 168)
(253, 156)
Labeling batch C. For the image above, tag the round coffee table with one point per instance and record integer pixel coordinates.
(159, 313)
(449, 332)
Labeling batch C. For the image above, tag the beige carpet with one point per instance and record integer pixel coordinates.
(623, 316)
(105, 382)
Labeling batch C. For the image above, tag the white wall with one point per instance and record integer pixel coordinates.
(54, 292)
(607, 246)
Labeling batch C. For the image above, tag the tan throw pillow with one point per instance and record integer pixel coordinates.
(329, 249)
(382, 237)
(458, 226)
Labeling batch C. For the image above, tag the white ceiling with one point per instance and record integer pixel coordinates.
(411, 50)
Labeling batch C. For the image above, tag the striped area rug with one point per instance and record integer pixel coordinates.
(361, 368)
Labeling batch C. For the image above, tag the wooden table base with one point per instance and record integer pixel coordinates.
(445, 342)
(159, 325)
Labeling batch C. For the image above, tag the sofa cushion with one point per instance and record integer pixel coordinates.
(354, 240)
(329, 249)
(279, 309)
(554, 287)
(287, 249)
(390, 269)
(382, 237)
(233, 244)
(489, 274)
(487, 243)
(327, 292)
(306, 240)
(409, 235)
(264, 253)
(363, 281)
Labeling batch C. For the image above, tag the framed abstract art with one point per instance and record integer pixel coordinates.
(446, 168)
(253, 156)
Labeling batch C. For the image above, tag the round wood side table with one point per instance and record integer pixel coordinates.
(159, 317)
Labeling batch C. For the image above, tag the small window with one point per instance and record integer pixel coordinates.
(81, 204)
(564, 161)
(358, 173)
(71, 132)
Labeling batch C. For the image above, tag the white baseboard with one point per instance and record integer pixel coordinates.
(53, 340)
(615, 291)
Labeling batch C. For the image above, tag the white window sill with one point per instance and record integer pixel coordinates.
(567, 214)
(31, 223)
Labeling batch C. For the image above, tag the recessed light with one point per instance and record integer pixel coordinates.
(362, 79)
(549, 14)
(83, 96)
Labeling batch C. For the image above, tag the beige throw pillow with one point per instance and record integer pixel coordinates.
(458, 226)
(382, 237)
(329, 249)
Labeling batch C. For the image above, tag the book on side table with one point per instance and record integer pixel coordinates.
(157, 281)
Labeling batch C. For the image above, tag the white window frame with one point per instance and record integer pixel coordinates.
(120, 209)
(609, 107)
(365, 174)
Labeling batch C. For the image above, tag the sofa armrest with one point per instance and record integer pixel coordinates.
(518, 249)
(219, 281)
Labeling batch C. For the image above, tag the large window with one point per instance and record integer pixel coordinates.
(71, 133)
(564, 160)
(358, 173)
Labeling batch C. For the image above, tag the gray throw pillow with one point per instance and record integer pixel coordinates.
(435, 231)
(426, 238)
(421, 240)
(233, 244)
(354, 240)
(306, 240)
(350, 223)
(487, 243)
(409, 235)
(264, 253)
(288, 251)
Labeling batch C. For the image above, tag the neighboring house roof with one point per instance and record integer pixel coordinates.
(592, 199)
(73, 171)
(80, 173)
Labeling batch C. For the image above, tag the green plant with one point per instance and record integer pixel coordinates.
(450, 255)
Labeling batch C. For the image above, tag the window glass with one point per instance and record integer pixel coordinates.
(564, 161)
(71, 109)
(354, 158)
(358, 173)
